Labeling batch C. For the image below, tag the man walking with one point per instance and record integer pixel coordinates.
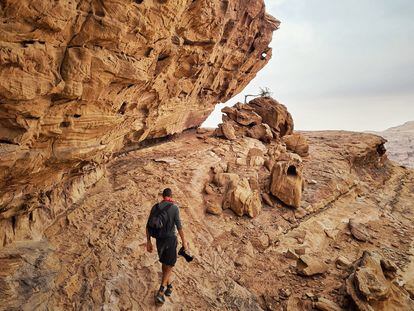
(163, 219)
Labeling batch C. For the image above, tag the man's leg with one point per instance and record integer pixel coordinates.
(166, 274)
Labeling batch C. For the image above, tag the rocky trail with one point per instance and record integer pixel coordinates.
(97, 249)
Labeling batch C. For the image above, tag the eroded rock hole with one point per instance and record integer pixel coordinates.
(163, 61)
(13, 223)
(263, 56)
(139, 1)
(123, 108)
(26, 43)
(148, 52)
(292, 171)
(65, 124)
(381, 150)
(162, 57)
(8, 142)
(77, 116)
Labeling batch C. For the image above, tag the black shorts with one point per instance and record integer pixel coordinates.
(167, 250)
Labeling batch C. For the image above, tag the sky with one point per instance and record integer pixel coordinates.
(345, 65)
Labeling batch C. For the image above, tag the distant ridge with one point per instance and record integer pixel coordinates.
(400, 143)
(406, 127)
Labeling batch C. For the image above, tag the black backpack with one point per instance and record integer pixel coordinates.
(157, 223)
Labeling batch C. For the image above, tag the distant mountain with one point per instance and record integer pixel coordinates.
(407, 127)
(400, 143)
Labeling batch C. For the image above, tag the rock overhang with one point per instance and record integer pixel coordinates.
(81, 80)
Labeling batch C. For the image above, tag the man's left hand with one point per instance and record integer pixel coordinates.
(150, 248)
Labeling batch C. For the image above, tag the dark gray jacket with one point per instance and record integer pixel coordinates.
(173, 213)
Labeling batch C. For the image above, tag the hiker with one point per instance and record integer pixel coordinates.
(163, 219)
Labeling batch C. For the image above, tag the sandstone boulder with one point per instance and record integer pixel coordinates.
(228, 131)
(225, 179)
(243, 115)
(261, 132)
(274, 114)
(287, 180)
(358, 231)
(213, 208)
(308, 265)
(242, 200)
(370, 289)
(297, 143)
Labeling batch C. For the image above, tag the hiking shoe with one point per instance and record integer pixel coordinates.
(160, 299)
(168, 291)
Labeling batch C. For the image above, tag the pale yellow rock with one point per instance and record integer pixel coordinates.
(297, 143)
(244, 200)
(287, 180)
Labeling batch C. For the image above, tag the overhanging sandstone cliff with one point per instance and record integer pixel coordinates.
(81, 79)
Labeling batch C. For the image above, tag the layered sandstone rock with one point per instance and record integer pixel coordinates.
(263, 118)
(80, 80)
(372, 285)
(274, 114)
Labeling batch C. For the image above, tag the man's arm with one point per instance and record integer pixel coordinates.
(149, 243)
(180, 230)
(183, 240)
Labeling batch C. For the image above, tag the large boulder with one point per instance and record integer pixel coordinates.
(287, 179)
(274, 114)
(227, 130)
(243, 200)
(297, 143)
(261, 132)
(371, 285)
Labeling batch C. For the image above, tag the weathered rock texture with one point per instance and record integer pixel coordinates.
(81, 79)
(270, 122)
(94, 257)
(372, 285)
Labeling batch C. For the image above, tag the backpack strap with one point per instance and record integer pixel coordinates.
(159, 212)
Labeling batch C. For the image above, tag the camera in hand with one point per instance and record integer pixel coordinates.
(186, 256)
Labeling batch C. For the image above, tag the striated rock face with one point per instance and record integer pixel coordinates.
(81, 79)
